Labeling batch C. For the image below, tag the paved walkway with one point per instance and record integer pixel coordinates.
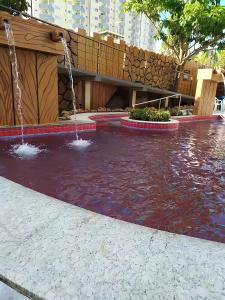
(7, 293)
(53, 250)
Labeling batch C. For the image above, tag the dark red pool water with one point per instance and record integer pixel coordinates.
(171, 181)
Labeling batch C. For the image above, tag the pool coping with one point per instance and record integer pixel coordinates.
(82, 122)
(194, 118)
(50, 249)
(87, 122)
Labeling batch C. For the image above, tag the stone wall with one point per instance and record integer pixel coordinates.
(149, 68)
(116, 59)
(65, 93)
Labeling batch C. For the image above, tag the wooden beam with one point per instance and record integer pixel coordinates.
(30, 34)
(205, 97)
(87, 95)
(210, 74)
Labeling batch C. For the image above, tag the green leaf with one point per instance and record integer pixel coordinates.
(183, 24)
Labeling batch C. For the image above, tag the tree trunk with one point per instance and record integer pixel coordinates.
(179, 69)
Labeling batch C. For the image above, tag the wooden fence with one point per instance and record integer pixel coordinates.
(38, 57)
(188, 79)
(116, 59)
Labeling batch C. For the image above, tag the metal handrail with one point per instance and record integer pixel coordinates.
(160, 100)
(219, 102)
(218, 99)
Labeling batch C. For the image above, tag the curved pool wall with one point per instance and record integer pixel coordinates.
(87, 122)
(146, 125)
(83, 122)
(53, 250)
(173, 124)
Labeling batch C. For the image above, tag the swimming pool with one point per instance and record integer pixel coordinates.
(173, 181)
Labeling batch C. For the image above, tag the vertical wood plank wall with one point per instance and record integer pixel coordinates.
(28, 83)
(116, 59)
(47, 78)
(188, 87)
(101, 94)
(6, 103)
(38, 78)
(205, 97)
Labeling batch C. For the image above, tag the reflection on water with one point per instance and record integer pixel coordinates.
(171, 181)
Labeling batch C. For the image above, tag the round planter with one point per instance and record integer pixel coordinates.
(148, 125)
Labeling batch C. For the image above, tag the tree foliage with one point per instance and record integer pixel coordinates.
(20, 5)
(187, 27)
(212, 58)
(221, 59)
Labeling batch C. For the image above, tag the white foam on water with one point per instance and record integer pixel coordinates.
(26, 151)
(222, 118)
(79, 143)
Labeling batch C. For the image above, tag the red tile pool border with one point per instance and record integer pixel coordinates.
(167, 126)
(70, 127)
(108, 116)
(57, 128)
(172, 125)
(46, 129)
(197, 118)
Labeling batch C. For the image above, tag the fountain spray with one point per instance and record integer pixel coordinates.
(78, 142)
(23, 150)
(14, 63)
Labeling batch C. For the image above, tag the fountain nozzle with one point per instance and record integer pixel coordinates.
(56, 36)
(2, 22)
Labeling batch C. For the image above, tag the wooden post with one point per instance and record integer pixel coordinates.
(30, 35)
(134, 97)
(206, 91)
(166, 103)
(87, 95)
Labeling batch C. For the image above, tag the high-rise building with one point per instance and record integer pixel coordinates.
(97, 16)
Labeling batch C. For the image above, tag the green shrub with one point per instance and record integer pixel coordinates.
(175, 111)
(137, 114)
(149, 114)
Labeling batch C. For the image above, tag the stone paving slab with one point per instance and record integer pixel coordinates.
(7, 293)
(53, 250)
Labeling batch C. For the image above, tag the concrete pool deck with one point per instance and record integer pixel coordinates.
(53, 250)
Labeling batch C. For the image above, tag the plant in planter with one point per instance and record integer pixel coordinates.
(175, 111)
(149, 114)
